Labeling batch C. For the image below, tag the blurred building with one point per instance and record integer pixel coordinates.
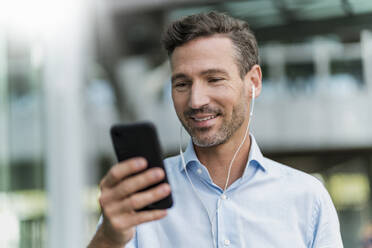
(68, 71)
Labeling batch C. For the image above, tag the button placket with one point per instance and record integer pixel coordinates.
(226, 242)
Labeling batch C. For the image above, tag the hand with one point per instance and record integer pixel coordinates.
(120, 199)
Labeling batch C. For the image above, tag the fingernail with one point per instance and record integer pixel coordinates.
(157, 173)
(165, 188)
(140, 162)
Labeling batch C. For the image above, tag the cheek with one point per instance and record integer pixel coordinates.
(226, 97)
(234, 95)
(229, 89)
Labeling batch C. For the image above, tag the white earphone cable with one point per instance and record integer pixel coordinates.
(211, 220)
(245, 137)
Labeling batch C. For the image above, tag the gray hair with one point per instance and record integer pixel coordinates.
(207, 24)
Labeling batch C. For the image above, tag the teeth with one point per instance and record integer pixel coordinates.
(205, 118)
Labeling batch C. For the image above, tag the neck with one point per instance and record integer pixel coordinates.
(217, 159)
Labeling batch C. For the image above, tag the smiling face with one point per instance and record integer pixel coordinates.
(209, 96)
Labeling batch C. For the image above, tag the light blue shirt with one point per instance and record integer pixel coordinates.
(271, 205)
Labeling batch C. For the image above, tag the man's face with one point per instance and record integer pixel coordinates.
(209, 96)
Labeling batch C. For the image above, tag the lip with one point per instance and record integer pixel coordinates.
(203, 120)
(202, 117)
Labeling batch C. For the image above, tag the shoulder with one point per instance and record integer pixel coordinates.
(305, 191)
(309, 194)
(296, 180)
(286, 172)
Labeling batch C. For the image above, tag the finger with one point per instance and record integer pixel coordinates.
(146, 216)
(131, 220)
(122, 170)
(142, 199)
(137, 183)
(133, 184)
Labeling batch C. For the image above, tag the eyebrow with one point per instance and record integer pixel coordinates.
(215, 71)
(203, 73)
(178, 76)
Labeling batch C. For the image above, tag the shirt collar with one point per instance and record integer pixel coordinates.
(255, 155)
(189, 155)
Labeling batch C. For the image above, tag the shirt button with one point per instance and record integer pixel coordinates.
(226, 242)
(199, 171)
(223, 197)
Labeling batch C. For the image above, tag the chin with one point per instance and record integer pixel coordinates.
(207, 141)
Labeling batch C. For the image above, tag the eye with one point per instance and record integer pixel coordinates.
(181, 85)
(214, 79)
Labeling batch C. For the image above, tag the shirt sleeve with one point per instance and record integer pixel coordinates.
(326, 226)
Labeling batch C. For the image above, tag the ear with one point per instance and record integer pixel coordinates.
(254, 77)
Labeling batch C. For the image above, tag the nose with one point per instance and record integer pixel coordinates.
(199, 96)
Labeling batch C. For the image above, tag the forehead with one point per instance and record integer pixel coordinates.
(203, 54)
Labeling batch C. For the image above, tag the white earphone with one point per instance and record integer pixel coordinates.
(211, 220)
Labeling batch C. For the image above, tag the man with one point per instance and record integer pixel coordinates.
(258, 203)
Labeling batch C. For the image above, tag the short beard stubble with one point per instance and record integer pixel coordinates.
(227, 129)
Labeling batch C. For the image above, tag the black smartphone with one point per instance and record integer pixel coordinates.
(141, 140)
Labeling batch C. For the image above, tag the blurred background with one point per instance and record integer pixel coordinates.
(70, 69)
